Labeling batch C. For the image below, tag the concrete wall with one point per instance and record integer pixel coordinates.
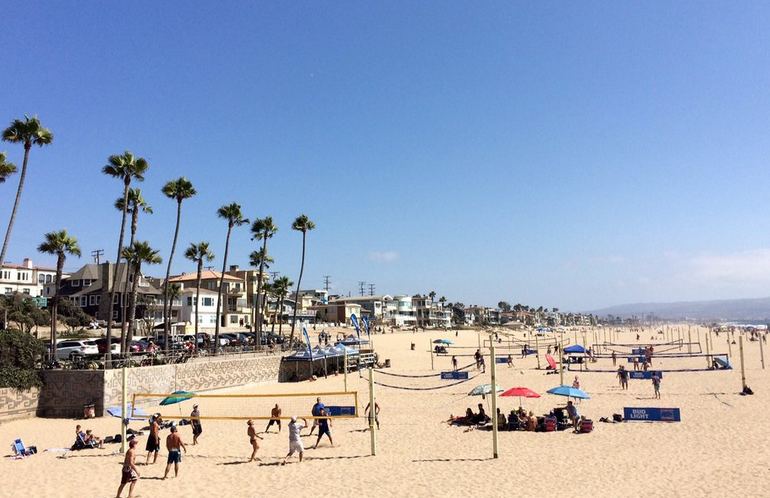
(66, 391)
(17, 404)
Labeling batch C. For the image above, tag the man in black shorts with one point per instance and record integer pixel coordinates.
(153, 441)
(195, 421)
(324, 425)
(275, 418)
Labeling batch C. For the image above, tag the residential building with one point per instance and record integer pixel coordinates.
(429, 313)
(235, 312)
(26, 278)
(399, 312)
(372, 306)
(250, 279)
(89, 288)
(337, 311)
(207, 309)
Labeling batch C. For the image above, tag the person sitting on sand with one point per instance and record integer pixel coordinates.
(502, 424)
(513, 421)
(482, 417)
(576, 383)
(92, 441)
(531, 422)
(129, 474)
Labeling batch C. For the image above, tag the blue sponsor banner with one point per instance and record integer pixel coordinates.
(640, 358)
(645, 375)
(309, 346)
(501, 359)
(652, 414)
(637, 351)
(366, 324)
(354, 320)
(340, 411)
(454, 375)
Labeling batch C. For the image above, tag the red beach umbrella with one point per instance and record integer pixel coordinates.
(521, 392)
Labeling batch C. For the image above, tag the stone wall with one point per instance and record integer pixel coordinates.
(17, 404)
(64, 392)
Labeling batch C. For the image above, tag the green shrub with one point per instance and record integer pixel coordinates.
(19, 353)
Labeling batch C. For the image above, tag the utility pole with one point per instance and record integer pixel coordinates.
(97, 254)
(274, 274)
(361, 285)
(327, 282)
(371, 289)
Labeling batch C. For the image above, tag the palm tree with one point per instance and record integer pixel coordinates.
(136, 254)
(126, 167)
(179, 190)
(28, 132)
(59, 243)
(259, 259)
(262, 228)
(281, 287)
(136, 204)
(234, 216)
(268, 289)
(198, 253)
(304, 225)
(7, 168)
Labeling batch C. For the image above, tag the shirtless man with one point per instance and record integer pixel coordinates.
(130, 473)
(253, 440)
(376, 413)
(275, 415)
(174, 445)
(153, 441)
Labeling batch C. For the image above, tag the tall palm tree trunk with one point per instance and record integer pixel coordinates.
(221, 285)
(166, 306)
(198, 297)
(55, 305)
(296, 295)
(126, 325)
(134, 288)
(22, 176)
(280, 317)
(258, 320)
(110, 305)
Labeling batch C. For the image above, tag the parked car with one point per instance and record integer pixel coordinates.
(137, 347)
(114, 348)
(66, 349)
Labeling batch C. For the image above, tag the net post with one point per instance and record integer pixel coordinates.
(372, 413)
(537, 351)
(345, 366)
(708, 353)
(123, 409)
(762, 352)
(689, 341)
(561, 362)
(743, 371)
(431, 353)
(493, 371)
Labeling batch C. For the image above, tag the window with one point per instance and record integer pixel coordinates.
(189, 301)
(75, 283)
(83, 301)
(234, 319)
(23, 275)
(48, 279)
(86, 283)
(114, 314)
(115, 299)
(41, 279)
(6, 275)
(8, 290)
(26, 291)
(208, 301)
(93, 300)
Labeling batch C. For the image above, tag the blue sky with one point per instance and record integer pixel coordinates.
(552, 153)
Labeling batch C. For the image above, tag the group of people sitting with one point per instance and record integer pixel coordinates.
(85, 440)
(558, 419)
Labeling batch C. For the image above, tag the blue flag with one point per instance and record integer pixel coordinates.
(307, 338)
(366, 325)
(355, 324)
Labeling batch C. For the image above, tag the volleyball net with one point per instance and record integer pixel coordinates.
(178, 405)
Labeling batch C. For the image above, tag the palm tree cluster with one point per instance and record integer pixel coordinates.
(130, 169)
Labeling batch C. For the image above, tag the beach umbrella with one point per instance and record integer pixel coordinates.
(569, 391)
(443, 341)
(483, 390)
(520, 392)
(176, 397)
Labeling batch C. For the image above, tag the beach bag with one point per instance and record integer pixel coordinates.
(617, 417)
(586, 426)
(550, 424)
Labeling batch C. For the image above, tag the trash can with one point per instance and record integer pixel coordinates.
(89, 411)
(412, 346)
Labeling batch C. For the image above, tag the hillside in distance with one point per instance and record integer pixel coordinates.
(746, 310)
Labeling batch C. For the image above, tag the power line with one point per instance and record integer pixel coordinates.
(274, 274)
(97, 254)
(327, 282)
(361, 285)
(371, 289)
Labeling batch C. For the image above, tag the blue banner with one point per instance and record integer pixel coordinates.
(501, 359)
(366, 324)
(309, 346)
(645, 375)
(354, 320)
(454, 375)
(339, 411)
(652, 414)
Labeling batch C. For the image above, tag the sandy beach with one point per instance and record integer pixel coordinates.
(719, 448)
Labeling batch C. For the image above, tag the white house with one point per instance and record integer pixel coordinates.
(207, 314)
(26, 278)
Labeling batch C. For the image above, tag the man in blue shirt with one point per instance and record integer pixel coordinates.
(316, 412)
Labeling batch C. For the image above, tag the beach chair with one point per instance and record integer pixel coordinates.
(20, 451)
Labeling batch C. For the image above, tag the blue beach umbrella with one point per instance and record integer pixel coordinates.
(176, 397)
(569, 392)
(443, 341)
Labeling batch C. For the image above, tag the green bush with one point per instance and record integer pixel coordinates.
(19, 353)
